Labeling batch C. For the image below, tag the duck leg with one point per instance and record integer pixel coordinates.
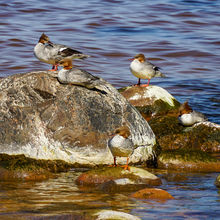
(126, 167)
(139, 82)
(146, 85)
(54, 67)
(115, 164)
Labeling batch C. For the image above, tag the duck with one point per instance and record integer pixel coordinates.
(189, 117)
(143, 69)
(51, 53)
(121, 145)
(75, 76)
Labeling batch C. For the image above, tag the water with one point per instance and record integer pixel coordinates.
(181, 37)
(196, 197)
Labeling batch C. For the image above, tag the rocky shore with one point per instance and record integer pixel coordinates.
(48, 127)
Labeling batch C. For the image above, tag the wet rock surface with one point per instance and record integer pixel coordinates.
(44, 119)
(112, 179)
(152, 193)
(217, 181)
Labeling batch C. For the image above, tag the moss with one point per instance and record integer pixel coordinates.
(20, 162)
(187, 156)
(165, 125)
(120, 90)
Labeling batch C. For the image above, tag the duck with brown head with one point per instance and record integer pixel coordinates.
(143, 69)
(51, 53)
(121, 145)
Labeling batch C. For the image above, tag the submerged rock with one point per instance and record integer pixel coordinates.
(117, 178)
(21, 168)
(217, 181)
(110, 215)
(152, 193)
(44, 119)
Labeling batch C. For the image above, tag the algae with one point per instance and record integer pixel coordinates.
(187, 155)
(20, 162)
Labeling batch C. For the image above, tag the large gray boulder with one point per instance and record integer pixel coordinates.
(44, 119)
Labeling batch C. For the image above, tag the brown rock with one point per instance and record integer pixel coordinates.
(152, 193)
(119, 176)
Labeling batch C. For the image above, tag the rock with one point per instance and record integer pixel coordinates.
(44, 119)
(152, 193)
(151, 100)
(181, 147)
(21, 168)
(118, 177)
(217, 181)
(110, 215)
(21, 175)
(187, 148)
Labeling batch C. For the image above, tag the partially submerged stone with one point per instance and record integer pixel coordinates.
(152, 193)
(21, 168)
(151, 100)
(119, 176)
(193, 161)
(44, 119)
(188, 148)
(110, 215)
(217, 181)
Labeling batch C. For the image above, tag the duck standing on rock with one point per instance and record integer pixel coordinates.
(51, 53)
(143, 69)
(121, 145)
(188, 117)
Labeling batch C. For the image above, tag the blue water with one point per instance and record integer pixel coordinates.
(181, 37)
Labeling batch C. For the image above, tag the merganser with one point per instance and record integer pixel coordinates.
(51, 53)
(121, 145)
(75, 76)
(143, 69)
(188, 117)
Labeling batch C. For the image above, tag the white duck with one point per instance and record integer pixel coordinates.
(188, 117)
(121, 145)
(143, 69)
(51, 53)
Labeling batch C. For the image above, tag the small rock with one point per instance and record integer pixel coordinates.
(217, 181)
(119, 176)
(152, 193)
(20, 175)
(151, 100)
(110, 215)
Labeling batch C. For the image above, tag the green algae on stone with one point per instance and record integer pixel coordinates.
(217, 181)
(188, 160)
(21, 162)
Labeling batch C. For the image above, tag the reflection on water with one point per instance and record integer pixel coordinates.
(57, 196)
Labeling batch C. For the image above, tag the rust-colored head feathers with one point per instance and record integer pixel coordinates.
(140, 57)
(67, 64)
(124, 131)
(185, 109)
(44, 39)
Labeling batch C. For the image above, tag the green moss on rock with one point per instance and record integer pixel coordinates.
(187, 155)
(20, 162)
